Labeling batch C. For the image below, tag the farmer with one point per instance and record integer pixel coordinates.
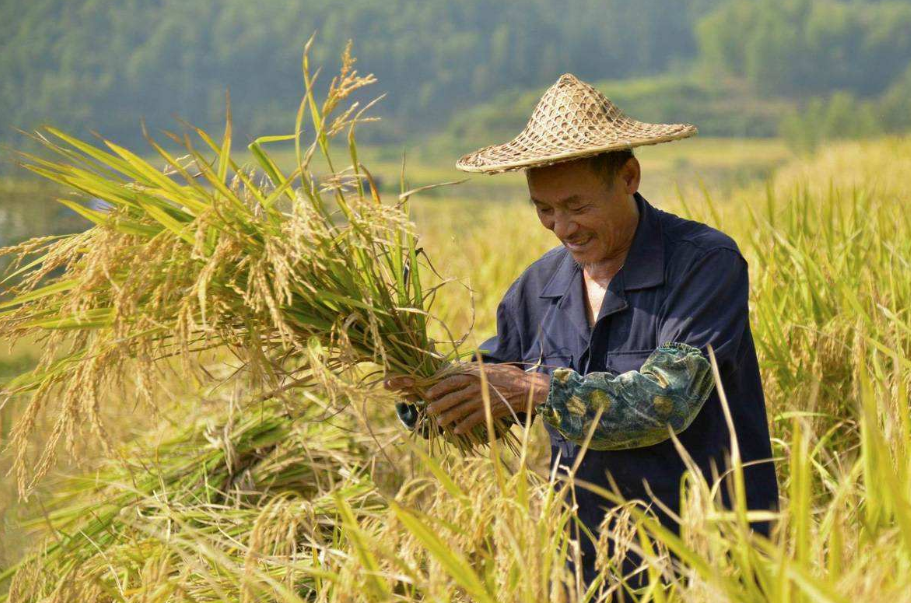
(608, 334)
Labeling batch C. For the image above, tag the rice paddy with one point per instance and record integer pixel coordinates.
(210, 485)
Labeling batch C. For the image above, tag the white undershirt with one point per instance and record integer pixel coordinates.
(594, 295)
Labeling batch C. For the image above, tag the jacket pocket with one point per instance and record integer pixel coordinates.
(546, 362)
(621, 362)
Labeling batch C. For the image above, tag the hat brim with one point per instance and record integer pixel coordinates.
(485, 160)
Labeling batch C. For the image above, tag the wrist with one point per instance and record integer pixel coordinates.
(540, 385)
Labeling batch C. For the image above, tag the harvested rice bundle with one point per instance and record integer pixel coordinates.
(303, 278)
(249, 503)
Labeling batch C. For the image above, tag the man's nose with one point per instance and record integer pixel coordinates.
(564, 226)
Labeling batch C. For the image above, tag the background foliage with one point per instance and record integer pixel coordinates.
(735, 67)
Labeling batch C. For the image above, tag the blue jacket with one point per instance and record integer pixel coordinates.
(683, 282)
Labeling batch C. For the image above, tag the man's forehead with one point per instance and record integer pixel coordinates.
(563, 201)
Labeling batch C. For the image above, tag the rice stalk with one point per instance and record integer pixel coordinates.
(243, 507)
(307, 279)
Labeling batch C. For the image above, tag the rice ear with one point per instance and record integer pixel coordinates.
(254, 265)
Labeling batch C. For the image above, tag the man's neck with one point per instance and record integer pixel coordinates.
(602, 272)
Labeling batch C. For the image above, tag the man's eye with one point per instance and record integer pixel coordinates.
(579, 209)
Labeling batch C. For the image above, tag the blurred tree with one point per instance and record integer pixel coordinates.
(101, 65)
(92, 64)
(837, 117)
(799, 47)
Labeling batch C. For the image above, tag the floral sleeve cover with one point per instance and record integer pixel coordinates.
(636, 407)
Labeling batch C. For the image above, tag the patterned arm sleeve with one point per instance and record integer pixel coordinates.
(637, 406)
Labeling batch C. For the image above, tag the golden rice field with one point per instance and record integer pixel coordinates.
(205, 499)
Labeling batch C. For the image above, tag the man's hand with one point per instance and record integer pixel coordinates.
(404, 386)
(458, 404)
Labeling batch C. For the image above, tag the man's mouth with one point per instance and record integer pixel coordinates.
(577, 244)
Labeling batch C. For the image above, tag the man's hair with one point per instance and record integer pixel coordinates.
(608, 164)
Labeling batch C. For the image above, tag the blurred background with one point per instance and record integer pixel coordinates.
(762, 80)
(465, 72)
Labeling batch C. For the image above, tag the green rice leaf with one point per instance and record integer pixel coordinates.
(168, 221)
(456, 566)
(58, 287)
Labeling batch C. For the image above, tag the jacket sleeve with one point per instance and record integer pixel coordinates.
(707, 306)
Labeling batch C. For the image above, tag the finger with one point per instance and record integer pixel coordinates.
(476, 418)
(449, 385)
(474, 405)
(398, 382)
(451, 400)
(458, 412)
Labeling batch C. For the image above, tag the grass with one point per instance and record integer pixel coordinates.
(830, 315)
(828, 240)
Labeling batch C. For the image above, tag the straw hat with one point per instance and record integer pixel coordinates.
(571, 120)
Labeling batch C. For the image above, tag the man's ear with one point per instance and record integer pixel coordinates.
(630, 174)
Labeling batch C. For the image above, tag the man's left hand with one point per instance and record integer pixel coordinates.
(458, 403)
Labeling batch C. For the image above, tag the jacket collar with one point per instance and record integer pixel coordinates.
(644, 265)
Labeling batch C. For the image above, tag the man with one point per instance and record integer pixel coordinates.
(608, 334)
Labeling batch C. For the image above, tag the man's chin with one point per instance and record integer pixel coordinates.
(582, 256)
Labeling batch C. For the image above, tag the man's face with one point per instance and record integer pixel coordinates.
(590, 217)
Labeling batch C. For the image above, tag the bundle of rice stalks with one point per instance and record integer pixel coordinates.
(243, 508)
(305, 279)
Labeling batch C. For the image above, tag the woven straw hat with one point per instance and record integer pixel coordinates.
(571, 120)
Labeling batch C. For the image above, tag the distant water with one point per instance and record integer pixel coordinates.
(30, 210)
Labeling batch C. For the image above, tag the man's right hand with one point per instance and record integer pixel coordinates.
(404, 386)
